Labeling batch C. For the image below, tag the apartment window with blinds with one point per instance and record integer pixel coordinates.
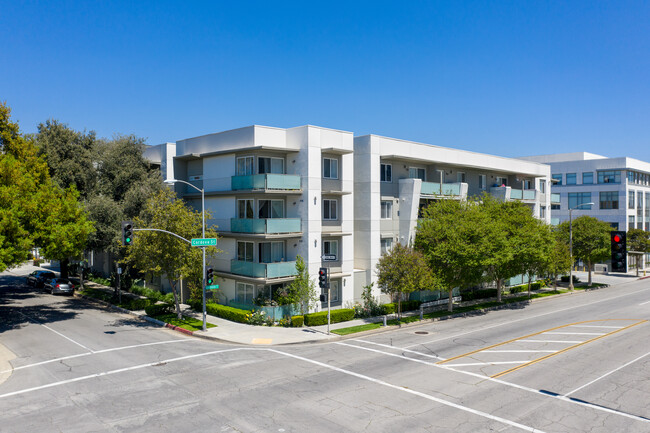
(245, 209)
(270, 165)
(578, 198)
(245, 251)
(588, 178)
(330, 168)
(571, 178)
(482, 182)
(386, 173)
(542, 186)
(386, 210)
(331, 248)
(630, 199)
(460, 176)
(244, 293)
(609, 200)
(271, 252)
(271, 209)
(329, 210)
(386, 245)
(416, 173)
(245, 166)
(609, 176)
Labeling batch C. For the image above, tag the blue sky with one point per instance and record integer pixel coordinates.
(507, 78)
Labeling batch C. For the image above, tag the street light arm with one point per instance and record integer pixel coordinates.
(185, 182)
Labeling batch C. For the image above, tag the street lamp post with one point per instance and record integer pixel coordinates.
(202, 191)
(571, 242)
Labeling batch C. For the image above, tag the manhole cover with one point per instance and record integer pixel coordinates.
(421, 332)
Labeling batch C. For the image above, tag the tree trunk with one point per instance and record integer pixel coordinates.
(555, 282)
(176, 301)
(529, 280)
(499, 281)
(399, 309)
(64, 267)
(636, 262)
(450, 302)
(589, 269)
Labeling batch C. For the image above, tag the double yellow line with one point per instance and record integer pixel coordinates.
(542, 332)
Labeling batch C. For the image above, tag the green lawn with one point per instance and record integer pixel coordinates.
(355, 329)
(189, 323)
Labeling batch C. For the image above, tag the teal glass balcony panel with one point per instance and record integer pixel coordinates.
(555, 221)
(516, 194)
(265, 225)
(433, 188)
(529, 194)
(263, 270)
(555, 198)
(266, 181)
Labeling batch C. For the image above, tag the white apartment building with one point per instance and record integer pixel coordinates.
(310, 191)
(618, 187)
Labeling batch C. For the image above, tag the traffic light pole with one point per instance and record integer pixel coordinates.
(328, 300)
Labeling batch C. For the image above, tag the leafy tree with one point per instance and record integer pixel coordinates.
(591, 241)
(452, 238)
(403, 270)
(303, 289)
(163, 254)
(69, 155)
(639, 241)
(559, 259)
(535, 246)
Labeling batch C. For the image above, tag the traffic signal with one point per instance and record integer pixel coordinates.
(323, 297)
(209, 276)
(127, 233)
(619, 251)
(323, 282)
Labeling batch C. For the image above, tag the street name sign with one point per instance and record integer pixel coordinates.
(212, 287)
(328, 257)
(207, 242)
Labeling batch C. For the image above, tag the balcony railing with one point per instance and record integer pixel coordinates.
(263, 270)
(555, 198)
(434, 188)
(555, 221)
(265, 225)
(527, 194)
(266, 181)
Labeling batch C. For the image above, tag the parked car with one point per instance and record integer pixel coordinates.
(38, 278)
(59, 286)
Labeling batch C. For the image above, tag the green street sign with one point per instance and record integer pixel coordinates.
(212, 287)
(207, 242)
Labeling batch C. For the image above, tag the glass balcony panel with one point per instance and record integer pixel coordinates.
(516, 194)
(266, 181)
(282, 181)
(433, 188)
(263, 270)
(529, 194)
(265, 225)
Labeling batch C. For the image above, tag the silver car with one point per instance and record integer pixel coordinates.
(59, 286)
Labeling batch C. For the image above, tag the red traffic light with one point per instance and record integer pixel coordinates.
(617, 238)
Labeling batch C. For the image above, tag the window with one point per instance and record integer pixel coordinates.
(482, 182)
(270, 209)
(639, 205)
(460, 176)
(245, 166)
(502, 181)
(542, 186)
(555, 206)
(588, 177)
(335, 293)
(614, 226)
(331, 248)
(647, 204)
(270, 165)
(244, 293)
(630, 222)
(329, 210)
(386, 245)
(542, 211)
(416, 173)
(630, 200)
(609, 177)
(570, 178)
(557, 179)
(386, 210)
(245, 251)
(271, 252)
(330, 168)
(578, 198)
(386, 174)
(245, 209)
(609, 200)
(630, 176)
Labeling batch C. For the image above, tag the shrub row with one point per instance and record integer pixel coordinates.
(228, 313)
(136, 304)
(479, 294)
(524, 287)
(406, 306)
(297, 321)
(336, 316)
(158, 309)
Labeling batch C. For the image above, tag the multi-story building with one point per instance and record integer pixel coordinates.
(394, 179)
(618, 187)
(337, 201)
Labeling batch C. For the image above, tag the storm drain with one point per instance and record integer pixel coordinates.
(421, 332)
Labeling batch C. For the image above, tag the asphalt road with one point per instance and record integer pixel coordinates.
(576, 363)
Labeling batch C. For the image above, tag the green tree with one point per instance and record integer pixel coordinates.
(535, 246)
(559, 259)
(638, 241)
(402, 270)
(303, 289)
(452, 237)
(163, 254)
(591, 240)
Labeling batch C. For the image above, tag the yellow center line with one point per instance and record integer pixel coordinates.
(503, 373)
(522, 338)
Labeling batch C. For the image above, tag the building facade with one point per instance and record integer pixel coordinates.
(618, 187)
(336, 200)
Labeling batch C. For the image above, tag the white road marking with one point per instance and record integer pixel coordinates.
(501, 382)
(410, 391)
(510, 322)
(471, 364)
(56, 332)
(597, 326)
(643, 303)
(551, 341)
(404, 350)
(607, 374)
(574, 333)
(519, 351)
(63, 358)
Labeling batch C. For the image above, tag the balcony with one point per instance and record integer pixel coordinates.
(527, 194)
(265, 182)
(265, 225)
(263, 270)
(555, 198)
(434, 188)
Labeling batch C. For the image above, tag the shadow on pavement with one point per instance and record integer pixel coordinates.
(15, 317)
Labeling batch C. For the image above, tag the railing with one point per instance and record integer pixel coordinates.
(434, 188)
(555, 198)
(263, 270)
(266, 181)
(555, 221)
(527, 194)
(265, 225)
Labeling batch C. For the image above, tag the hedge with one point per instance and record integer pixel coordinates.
(336, 316)
(158, 309)
(524, 287)
(136, 304)
(297, 321)
(406, 306)
(225, 312)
